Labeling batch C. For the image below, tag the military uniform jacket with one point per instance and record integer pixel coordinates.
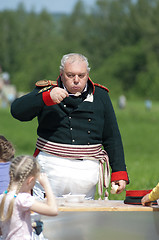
(83, 120)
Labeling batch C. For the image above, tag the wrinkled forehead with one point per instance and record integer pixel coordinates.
(74, 63)
(75, 58)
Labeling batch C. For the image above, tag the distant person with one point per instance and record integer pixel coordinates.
(1, 85)
(8, 91)
(6, 78)
(9, 94)
(16, 202)
(7, 152)
(76, 119)
(122, 102)
(148, 105)
(150, 197)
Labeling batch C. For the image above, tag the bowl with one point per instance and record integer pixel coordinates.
(60, 201)
(74, 198)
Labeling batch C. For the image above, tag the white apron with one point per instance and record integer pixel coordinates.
(68, 175)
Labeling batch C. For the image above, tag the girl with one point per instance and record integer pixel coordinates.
(152, 196)
(17, 202)
(6, 155)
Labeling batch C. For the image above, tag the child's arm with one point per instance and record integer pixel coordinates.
(145, 200)
(48, 208)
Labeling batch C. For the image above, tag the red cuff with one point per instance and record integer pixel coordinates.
(47, 99)
(36, 152)
(120, 175)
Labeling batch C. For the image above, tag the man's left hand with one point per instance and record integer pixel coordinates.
(121, 185)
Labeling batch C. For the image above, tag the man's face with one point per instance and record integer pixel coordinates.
(75, 76)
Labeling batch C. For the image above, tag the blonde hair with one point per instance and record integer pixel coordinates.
(20, 169)
(7, 150)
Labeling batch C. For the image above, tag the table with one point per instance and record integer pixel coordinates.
(102, 220)
(103, 205)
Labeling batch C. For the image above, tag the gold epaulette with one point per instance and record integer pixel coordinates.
(97, 84)
(45, 83)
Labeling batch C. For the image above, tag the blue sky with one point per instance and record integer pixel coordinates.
(54, 6)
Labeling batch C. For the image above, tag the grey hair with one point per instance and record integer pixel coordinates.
(73, 57)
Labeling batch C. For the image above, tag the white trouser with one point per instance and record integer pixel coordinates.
(68, 176)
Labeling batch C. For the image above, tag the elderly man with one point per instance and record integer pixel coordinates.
(77, 131)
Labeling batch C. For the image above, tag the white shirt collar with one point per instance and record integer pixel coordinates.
(84, 90)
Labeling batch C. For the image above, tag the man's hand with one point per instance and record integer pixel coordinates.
(57, 94)
(121, 185)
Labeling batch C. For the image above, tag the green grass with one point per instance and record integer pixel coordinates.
(139, 130)
(21, 134)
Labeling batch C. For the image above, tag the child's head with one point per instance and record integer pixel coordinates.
(21, 168)
(7, 150)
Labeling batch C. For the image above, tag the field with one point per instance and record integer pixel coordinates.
(140, 134)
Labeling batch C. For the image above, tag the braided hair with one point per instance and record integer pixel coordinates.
(21, 168)
(6, 149)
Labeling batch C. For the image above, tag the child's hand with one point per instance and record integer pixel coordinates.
(145, 200)
(43, 179)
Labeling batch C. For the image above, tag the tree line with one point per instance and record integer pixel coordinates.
(119, 38)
